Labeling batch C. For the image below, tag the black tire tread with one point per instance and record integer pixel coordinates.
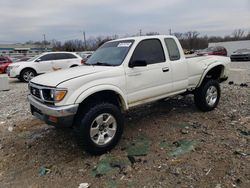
(200, 93)
(82, 123)
(22, 72)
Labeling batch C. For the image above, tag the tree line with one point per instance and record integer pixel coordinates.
(191, 40)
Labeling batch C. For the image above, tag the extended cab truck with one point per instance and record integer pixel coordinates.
(122, 74)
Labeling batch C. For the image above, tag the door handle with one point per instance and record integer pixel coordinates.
(165, 69)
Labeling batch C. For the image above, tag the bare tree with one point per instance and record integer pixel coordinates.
(238, 34)
(179, 35)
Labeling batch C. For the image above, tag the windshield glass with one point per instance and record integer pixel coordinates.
(111, 53)
(34, 58)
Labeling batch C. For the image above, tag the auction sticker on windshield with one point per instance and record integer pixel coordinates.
(124, 44)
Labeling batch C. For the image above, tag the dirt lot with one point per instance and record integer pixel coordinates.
(169, 144)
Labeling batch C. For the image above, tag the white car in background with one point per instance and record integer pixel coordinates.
(43, 63)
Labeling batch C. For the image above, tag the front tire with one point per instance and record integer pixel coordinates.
(207, 96)
(27, 75)
(99, 129)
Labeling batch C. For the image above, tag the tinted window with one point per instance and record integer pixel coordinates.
(48, 57)
(70, 56)
(61, 56)
(150, 51)
(173, 50)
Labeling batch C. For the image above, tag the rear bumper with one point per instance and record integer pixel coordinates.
(59, 116)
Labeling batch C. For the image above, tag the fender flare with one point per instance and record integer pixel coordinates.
(210, 67)
(95, 89)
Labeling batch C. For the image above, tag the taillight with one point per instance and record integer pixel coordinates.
(82, 62)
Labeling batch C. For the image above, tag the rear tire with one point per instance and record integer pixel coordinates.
(207, 96)
(99, 128)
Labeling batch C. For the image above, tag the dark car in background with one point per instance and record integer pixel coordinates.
(241, 55)
(4, 63)
(216, 50)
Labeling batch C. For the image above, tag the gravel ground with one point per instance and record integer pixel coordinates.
(178, 145)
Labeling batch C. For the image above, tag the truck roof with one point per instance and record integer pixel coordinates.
(139, 38)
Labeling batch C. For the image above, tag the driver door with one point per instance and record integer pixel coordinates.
(151, 81)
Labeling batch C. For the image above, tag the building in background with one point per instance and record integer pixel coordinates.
(17, 50)
(232, 46)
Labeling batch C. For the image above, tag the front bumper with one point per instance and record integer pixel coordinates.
(12, 73)
(59, 116)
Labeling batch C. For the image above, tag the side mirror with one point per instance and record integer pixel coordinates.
(137, 63)
(38, 60)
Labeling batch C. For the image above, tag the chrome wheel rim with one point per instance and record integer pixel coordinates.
(28, 75)
(212, 95)
(103, 129)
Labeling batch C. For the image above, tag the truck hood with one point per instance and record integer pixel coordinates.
(55, 78)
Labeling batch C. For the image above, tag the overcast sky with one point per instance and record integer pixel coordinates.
(23, 20)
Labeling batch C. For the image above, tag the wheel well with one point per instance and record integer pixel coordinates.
(28, 68)
(215, 73)
(101, 96)
(73, 66)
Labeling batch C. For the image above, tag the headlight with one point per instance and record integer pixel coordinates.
(53, 95)
(58, 95)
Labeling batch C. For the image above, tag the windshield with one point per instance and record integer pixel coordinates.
(111, 53)
(34, 58)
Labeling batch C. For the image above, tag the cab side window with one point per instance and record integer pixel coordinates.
(149, 50)
(173, 50)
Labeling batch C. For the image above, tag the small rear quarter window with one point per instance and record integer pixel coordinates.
(173, 50)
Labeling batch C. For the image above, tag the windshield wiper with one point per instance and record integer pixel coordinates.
(101, 64)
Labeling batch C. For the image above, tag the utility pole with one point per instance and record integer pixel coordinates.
(140, 32)
(44, 42)
(84, 38)
(170, 32)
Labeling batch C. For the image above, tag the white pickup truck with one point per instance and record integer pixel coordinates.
(122, 74)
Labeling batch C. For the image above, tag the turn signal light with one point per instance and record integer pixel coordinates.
(59, 95)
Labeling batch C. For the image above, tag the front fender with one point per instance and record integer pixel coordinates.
(88, 92)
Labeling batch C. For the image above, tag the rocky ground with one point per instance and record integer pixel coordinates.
(165, 144)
